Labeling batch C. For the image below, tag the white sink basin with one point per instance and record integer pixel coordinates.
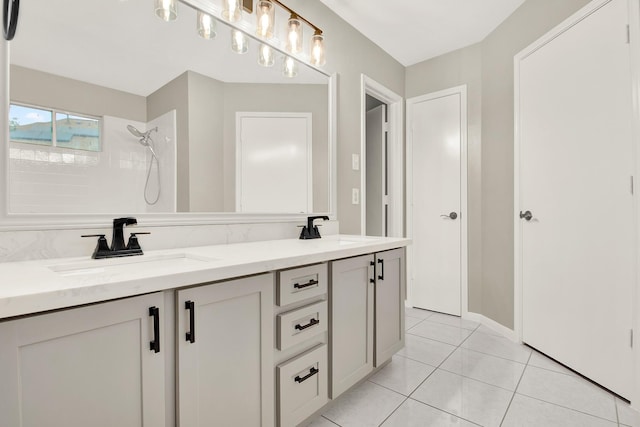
(128, 264)
(356, 239)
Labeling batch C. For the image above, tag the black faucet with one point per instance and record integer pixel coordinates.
(310, 231)
(117, 241)
(118, 248)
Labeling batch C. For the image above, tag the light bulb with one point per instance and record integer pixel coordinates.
(294, 37)
(317, 50)
(206, 26)
(290, 68)
(239, 42)
(167, 10)
(265, 14)
(231, 10)
(266, 58)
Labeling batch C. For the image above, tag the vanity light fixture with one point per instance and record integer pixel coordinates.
(239, 41)
(266, 58)
(294, 34)
(206, 25)
(290, 67)
(232, 10)
(317, 49)
(266, 15)
(167, 10)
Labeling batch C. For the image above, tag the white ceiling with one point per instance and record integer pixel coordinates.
(412, 31)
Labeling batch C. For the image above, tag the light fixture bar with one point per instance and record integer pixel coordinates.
(293, 12)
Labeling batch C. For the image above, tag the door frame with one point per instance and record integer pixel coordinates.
(634, 38)
(464, 231)
(395, 110)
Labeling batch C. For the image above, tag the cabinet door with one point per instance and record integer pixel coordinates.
(225, 354)
(390, 286)
(351, 302)
(89, 366)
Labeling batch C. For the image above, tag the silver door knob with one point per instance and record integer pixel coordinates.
(527, 215)
(452, 215)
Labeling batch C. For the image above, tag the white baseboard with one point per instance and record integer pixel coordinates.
(493, 325)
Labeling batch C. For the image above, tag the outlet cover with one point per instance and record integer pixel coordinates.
(355, 162)
(355, 196)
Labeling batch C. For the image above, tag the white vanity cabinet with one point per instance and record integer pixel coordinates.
(90, 366)
(367, 315)
(225, 353)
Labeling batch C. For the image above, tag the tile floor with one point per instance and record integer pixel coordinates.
(455, 372)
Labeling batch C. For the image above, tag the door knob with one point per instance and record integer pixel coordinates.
(452, 215)
(527, 215)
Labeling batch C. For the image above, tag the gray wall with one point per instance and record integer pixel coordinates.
(350, 54)
(290, 98)
(175, 95)
(488, 70)
(48, 90)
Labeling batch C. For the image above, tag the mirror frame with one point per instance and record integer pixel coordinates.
(15, 222)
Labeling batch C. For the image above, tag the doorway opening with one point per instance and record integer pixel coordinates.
(381, 163)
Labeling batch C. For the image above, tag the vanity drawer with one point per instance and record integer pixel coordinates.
(302, 386)
(299, 325)
(301, 283)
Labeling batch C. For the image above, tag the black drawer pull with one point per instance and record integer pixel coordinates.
(155, 344)
(311, 323)
(381, 275)
(306, 285)
(311, 373)
(191, 335)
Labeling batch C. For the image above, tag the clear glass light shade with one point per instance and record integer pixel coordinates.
(167, 10)
(294, 35)
(290, 68)
(317, 50)
(266, 57)
(206, 25)
(232, 10)
(239, 42)
(266, 15)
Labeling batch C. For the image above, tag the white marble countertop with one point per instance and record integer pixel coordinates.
(35, 286)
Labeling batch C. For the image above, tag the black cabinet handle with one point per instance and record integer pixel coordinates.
(191, 335)
(155, 344)
(381, 275)
(372, 279)
(311, 373)
(10, 23)
(311, 323)
(306, 285)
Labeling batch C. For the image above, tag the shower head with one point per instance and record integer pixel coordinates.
(135, 132)
(145, 138)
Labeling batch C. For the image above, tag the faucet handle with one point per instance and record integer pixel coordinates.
(133, 243)
(102, 248)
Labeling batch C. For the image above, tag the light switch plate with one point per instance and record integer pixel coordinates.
(355, 162)
(355, 196)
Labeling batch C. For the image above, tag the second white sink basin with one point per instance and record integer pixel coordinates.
(128, 264)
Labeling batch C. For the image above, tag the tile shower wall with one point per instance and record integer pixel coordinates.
(50, 179)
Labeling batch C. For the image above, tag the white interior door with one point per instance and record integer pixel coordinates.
(273, 168)
(376, 172)
(576, 165)
(436, 132)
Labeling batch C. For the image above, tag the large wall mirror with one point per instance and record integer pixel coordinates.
(114, 111)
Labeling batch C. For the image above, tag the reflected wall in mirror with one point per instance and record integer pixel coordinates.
(114, 110)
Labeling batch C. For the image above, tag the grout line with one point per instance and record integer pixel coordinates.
(322, 416)
(568, 408)
(447, 412)
(615, 405)
(514, 391)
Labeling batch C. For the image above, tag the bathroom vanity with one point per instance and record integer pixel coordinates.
(248, 334)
